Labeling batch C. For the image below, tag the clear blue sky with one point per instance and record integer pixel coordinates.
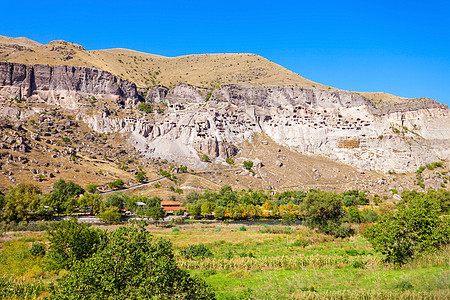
(399, 47)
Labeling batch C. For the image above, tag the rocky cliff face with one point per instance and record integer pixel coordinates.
(63, 85)
(338, 124)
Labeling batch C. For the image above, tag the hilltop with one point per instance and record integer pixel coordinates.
(208, 70)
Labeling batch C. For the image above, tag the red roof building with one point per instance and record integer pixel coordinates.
(171, 206)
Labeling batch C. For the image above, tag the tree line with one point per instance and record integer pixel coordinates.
(26, 202)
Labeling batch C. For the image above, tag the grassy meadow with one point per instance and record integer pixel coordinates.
(256, 261)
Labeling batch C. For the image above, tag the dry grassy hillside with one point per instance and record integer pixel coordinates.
(147, 69)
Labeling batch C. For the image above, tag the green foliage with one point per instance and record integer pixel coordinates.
(91, 188)
(205, 158)
(414, 229)
(354, 197)
(229, 161)
(179, 212)
(64, 196)
(248, 164)
(156, 212)
(141, 176)
(117, 184)
(131, 266)
(21, 203)
(71, 243)
(196, 251)
(208, 96)
(324, 211)
(37, 249)
(110, 215)
(242, 228)
(166, 174)
(19, 289)
(145, 107)
(194, 209)
(116, 200)
(90, 202)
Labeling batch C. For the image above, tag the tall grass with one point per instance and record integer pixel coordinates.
(285, 262)
(19, 289)
(372, 294)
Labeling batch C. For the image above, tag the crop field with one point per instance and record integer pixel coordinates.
(256, 261)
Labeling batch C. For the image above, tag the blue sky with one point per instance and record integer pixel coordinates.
(399, 47)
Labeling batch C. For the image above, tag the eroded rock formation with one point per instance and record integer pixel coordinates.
(341, 125)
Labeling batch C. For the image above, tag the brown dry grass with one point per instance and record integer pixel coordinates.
(145, 69)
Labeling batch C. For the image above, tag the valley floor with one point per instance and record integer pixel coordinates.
(259, 261)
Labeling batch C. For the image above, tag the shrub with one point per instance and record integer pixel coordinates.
(141, 176)
(71, 243)
(37, 249)
(111, 215)
(117, 184)
(414, 229)
(230, 161)
(205, 158)
(248, 164)
(196, 251)
(242, 228)
(145, 107)
(91, 188)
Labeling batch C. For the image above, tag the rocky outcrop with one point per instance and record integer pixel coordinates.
(63, 85)
(156, 93)
(337, 124)
(341, 125)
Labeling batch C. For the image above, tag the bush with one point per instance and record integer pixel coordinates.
(205, 158)
(196, 251)
(414, 229)
(71, 243)
(111, 215)
(230, 161)
(117, 184)
(242, 228)
(141, 176)
(37, 249)
(91, 188)
(145, 107)
(131, 265)
(248, 164)
(324, 211)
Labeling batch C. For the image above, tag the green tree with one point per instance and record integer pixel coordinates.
(156, 212)
(145, 107)
(194, 209)
(64, 196)
(71, 243)
(141, 176)
(110, 215)
(117, 184)
(324, 211)
(414, 229)
(91, 201)
(21, 203)
(132, 265)
(116, 200)
(91, 188)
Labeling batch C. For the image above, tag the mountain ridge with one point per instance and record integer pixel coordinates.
(145, 69)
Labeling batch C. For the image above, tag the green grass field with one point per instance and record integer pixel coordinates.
(260, 262)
